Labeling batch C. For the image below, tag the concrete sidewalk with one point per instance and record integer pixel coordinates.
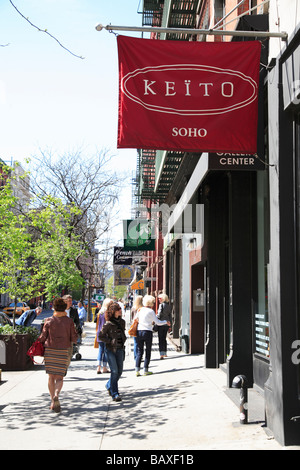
(182, 406)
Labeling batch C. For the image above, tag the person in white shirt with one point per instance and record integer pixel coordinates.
(146, 316)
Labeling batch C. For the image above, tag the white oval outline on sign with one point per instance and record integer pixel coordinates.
(188, 112)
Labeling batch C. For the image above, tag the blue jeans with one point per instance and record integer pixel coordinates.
(134, 347)
(144, 337)
(115, 361)
(102, 360)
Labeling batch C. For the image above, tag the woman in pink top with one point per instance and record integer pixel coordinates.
(57, 336)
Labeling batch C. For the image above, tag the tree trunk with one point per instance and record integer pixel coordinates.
(14, 314)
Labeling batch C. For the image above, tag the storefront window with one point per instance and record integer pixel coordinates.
(261, 327)
(297, 196)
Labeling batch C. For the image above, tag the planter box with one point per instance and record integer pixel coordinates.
(13, 349)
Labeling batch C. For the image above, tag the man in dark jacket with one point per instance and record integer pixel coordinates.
(72, 312)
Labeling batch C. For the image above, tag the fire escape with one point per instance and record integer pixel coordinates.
(157, 169)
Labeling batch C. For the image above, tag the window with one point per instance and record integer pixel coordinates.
(261, 326)
(261, 314)
(247, 5)
(219, 10)
(297, 210)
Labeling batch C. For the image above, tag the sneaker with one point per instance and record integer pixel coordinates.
(117, 398)
(138, 374)
(148, 373)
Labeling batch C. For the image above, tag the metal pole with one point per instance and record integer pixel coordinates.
(228, 14)
(244, 405)
(206, 32)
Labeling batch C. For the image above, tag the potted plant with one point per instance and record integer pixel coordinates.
(14, 344)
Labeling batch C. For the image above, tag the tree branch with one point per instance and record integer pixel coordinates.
(44, 31)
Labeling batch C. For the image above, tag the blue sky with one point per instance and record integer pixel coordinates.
(50, 99)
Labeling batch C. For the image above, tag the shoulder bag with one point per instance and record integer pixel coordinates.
(132, 331)
(37, 349)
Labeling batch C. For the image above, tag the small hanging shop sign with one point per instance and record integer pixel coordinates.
(233, 161)
(139, 235)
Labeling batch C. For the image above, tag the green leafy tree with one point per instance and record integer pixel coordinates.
(38, 248)
(15, 250)
(56, 247)
(115, 291)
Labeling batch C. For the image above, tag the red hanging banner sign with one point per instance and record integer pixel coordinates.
(188, 96)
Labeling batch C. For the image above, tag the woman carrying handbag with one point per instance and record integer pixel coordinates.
(137, 304)
(113, 335)
(146, 317)
(58, 336)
